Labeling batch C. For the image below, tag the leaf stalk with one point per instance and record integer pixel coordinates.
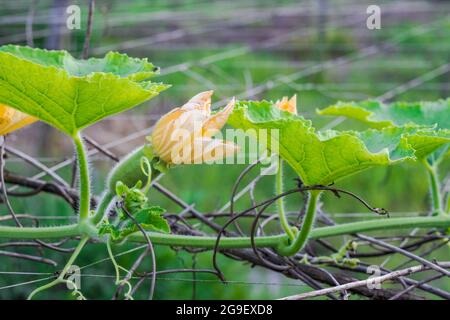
(436, 197)
(280, 202)
(85, 183)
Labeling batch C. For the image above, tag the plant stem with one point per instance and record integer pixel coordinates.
(435, 191)
(43, 288)
(63, 273)
(74, 255)
(113, 260)
(381, 224)
(85, 184)
(280, 204)
(102, 207)
(302, 236)
(235, 242)
(274, 241)
(447, 207)
(70, 230)
(129, 172)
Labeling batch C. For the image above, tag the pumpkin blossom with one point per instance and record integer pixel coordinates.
(12, 119)
(286, 104)
(185, 134)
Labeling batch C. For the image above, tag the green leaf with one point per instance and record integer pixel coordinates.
(71, 94)
(324, 157)
(423, 141)
(432, 117)
(134, 199)
(121, 189)
(107, 228)
(380, 115)
(150, 218)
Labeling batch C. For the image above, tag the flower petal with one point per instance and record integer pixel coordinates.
(288, 105)
(201, 101)
(11, 119)
(184, 134)
(215, 149)
(162, 131)
(217, 121)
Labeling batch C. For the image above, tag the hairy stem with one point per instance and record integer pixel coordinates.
(102, 207)
(435, 191)
(129, 172)
(85, 184)
(280, 204)
(274, 241)
(235, 242)
(302, 236)
(70, 230)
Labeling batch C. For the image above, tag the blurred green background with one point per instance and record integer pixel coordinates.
(251, 49)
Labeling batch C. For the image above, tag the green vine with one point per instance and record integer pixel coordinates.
(60, 278)
(294, 246)
(234, 242)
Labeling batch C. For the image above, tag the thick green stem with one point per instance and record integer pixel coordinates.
(291, 248)
(381, 224)
(235, 242)
(129, 172)
(435, 191)
(102, 207)
(274, 241)
(280, 204)
(209, 241)
(85, 184)
(70, 230)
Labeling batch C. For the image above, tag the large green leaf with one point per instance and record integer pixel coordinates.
(380, 115)
(424, 141)
(433, 117)
(322, 157)
(71, 94)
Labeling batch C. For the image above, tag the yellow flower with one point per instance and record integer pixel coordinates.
(288, 105)
(184, 135)
(11, 119)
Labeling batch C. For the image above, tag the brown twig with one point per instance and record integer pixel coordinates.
(28, 257)
(87, 38)
(36, 164)
(234, 190)
(401, 293)
(29, 23)
(368, 282)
